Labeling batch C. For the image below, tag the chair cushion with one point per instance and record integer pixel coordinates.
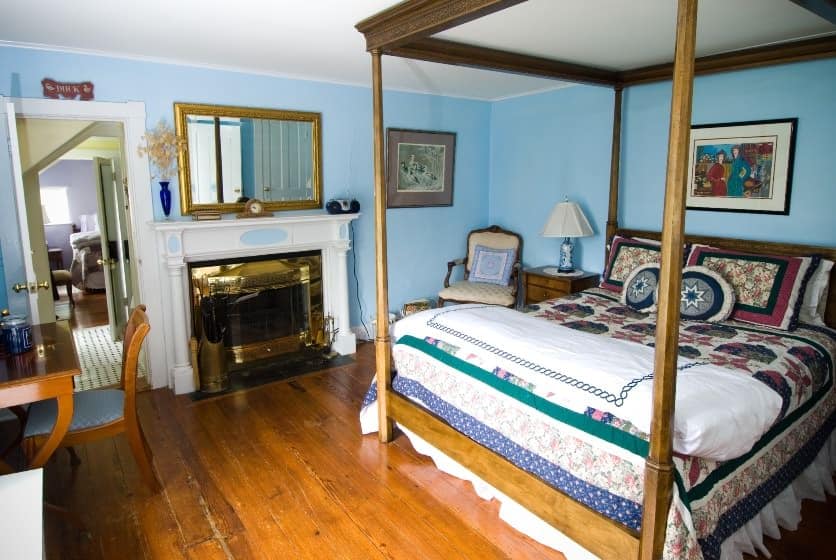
(479, 292)
(90, 409)
(492, 265)
(61, 276)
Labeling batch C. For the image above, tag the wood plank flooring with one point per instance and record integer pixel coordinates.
(282, 471)
(90, 309)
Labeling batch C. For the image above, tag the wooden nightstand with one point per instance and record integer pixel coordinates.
(541, 286)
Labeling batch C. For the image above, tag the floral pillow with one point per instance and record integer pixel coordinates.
(493, 266)
(768, 289)
(627, 254)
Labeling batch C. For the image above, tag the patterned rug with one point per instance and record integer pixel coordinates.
(100, 358)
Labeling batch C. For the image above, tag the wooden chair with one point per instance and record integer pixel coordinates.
(103, 413)
(497, 241)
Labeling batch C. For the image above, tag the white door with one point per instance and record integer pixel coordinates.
(114, 243)
(28, 279)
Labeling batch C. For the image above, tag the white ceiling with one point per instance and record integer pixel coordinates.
(316, 39)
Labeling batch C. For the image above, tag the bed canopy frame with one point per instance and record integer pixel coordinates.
(405, 30)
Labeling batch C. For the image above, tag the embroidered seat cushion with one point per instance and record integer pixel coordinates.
(90, 409)
(768, 289)
(639, 291)
(706, 296)
(483, 292)
(492, 266)
(626, 254)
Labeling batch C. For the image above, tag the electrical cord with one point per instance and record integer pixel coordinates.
(357, 280)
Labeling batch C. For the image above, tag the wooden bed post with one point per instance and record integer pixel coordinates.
(382, 349)
(615, 160)
(658, 477)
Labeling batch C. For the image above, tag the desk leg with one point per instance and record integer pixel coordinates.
(62, 424)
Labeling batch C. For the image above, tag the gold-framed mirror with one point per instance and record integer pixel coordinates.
(269, 154)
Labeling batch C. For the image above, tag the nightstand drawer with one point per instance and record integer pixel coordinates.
(550, 283)
(539, 293)
(540, 285)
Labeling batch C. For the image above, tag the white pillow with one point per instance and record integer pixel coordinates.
(815, 298)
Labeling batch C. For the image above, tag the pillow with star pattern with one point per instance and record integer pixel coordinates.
(639, 291)
(706, 296)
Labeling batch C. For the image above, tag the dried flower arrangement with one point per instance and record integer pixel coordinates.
(161, 148)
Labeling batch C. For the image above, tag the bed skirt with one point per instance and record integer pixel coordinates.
(815, 482)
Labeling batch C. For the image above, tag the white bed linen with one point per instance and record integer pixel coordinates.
(720, 413)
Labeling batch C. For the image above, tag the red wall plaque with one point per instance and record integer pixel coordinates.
(67, 90)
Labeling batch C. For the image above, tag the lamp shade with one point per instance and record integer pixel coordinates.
(567, 220)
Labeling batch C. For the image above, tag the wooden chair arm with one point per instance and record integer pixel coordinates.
(515, 277)
(450, 266)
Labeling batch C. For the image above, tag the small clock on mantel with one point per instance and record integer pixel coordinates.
(254, 208)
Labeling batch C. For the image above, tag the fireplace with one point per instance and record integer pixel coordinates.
(266, 306)
(184, 244)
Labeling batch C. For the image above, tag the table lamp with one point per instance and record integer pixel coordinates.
(567, 221)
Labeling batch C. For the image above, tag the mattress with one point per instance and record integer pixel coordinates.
(599, 460)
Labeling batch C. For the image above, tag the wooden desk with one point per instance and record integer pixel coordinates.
(45, 372)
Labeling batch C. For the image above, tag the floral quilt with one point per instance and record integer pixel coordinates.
(713, 499)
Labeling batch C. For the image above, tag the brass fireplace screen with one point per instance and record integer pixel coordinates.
(263, 307)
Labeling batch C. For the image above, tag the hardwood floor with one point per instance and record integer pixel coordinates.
(282, 471)
(90, 309)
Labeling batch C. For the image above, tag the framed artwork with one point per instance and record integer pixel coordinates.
(419, 168)
(741, 167)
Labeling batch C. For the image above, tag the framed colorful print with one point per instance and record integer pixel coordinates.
(741, 167)
(419, 168)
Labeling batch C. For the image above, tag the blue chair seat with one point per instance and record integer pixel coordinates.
(90, 409)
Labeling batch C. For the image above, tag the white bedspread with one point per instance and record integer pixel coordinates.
(720, 413)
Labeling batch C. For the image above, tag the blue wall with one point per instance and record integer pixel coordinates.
(420, 240)
(545, 147)
(558, 143)
(805, 90)
(528, 153)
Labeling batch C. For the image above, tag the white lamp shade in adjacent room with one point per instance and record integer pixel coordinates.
(567, 220)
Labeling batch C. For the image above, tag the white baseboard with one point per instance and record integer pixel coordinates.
(360, 332)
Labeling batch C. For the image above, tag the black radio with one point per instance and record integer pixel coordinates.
(342, 206)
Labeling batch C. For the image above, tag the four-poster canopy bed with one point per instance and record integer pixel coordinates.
(404, 30)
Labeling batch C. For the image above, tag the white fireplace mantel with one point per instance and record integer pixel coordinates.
(181, 243)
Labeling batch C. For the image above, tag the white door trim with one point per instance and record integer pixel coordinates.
(132, 116)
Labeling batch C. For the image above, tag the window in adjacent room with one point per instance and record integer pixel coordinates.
(55, 205)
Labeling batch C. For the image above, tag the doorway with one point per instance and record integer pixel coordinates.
(75, 201)
(17, 254)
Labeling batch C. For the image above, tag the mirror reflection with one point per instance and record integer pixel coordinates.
(232, 154)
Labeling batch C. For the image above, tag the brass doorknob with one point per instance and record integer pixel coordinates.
(19, 287)
(106, 262)
(43, 285)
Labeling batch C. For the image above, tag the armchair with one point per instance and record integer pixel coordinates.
(491, 269)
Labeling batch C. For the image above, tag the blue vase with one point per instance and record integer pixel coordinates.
(165, 197)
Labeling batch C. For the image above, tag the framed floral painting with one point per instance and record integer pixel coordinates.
(742, 167)
(419, 168)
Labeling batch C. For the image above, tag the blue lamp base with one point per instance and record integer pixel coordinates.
(566, 250)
